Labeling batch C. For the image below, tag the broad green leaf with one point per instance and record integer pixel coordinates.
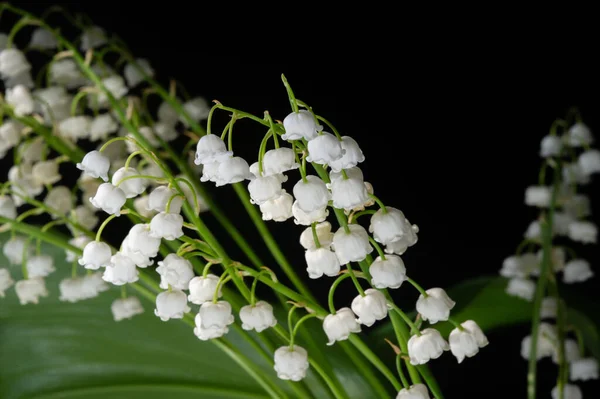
(57, 350)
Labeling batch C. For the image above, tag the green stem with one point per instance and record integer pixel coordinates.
(298, 324)
(380, 203)
(405, 382)
(332, 289)
(290, 93)
(355, 280)
(406, 319)
(374, 359)
(541, 287)
(315, 235)
(377, 248)
(417, 286)
(104, 224)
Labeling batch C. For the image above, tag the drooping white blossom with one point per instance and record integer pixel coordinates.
(340, 325)
(583, 369)
(278, 161)
(166, 225)
(291, 362)
(136, 72)
(521, 287)
(570, 391)
(109, 198)
(583, 231)
(126, 179)
(6, 281)
(233, 170)
(352, 246)
(171, 305)
(92, 37)
(577, 271)
(324, 149)
(159, 198)
(40, 266)
(547, 337)
(278, 209)
(387, 273)
(60, 200)
(307, 218)
(352, 155)
(257, 317)
(121, 270)
(467, 341)
(31, 290)
(46, 172)
(428, 345)
(21, 100)
(13, 63)
(7, 207)
(579, 135)
(213, 320)
(175, 272)
(211, 148)
(435, 306)
(371, 307)
(202, 289)
(417, 391)
(299, 125)
(126, 308)
(96, 254)
(311, 194)
(102, 126)
(43, 39)
(550, 146)
(538, 196)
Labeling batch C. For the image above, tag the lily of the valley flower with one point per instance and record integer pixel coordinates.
(428, 345)
(126, 308)
(213, 320)
(340, 325)
(166, 225)
(121, 270)
(258, 317)
(370, 308)
(291, 362)
(435, 306)
(417, 391)
(30, 291)
(388, 273)
(109, 198)
(171, 305)
(175, 271)
(202, 289)
(467, 341)
(299, 125)
(353, 246)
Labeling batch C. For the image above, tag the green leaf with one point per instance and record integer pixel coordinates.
(485, 301)
(56, 350)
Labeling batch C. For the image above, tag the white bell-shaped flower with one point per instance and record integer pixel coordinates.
(579, 135)
(211, 148)
(584, 232)
(71, 290)
(538, 196)
(6, 281)
(348, 193)
(135, 73)
(324, 235)
(264, 188)
(560, 223)
(547, 338)
(13, 63)
(160, 196)
(109, 198)
(141, 240)
(167, 114)
(55, 106)
(102, 126)
(517, 266)
(33, 150)
(324, 148)
(577, 271)
(417, 391)
(311, 195)
(340, 325)
(202, 289)
(589, 161)
(387, 273)
(426, 346)
(213, 320)
(558, 260)
(65, 72)
(78, 242)
(351, 173)
(278, 209)
(46, 172)
(121, 270)
(571, 352)
(389, 225)
(197, 108)
(278, 161)
(171, 305)
(126, 180)
(30, 291)
(572, 173)
(233, 170)
(352, 155)
(435, 306)
(115, 85)
(550, 146)
(21, 100)
(165, 132)
(141, 204)
(43, 39)
(167, 225)
(291, 362)
(299, 125)
(521, 288)
(14, 250)
(95, 164)
(321, 261)
(136, 256)
(534, 230)
(584, 369)
(59, 199)
(9, 137)
(23, 183)
(93, 284)
(549, 308)
(258, 317)
(75, 127)
(308, 218)
(370, 308)
(40, 266)
(353, 246)
(22, 79)
(210, 172)
(175, 271)
(467, 341)
(7, 207)
(92, 37)
(126, 308)
(570, 391)
(96, 254)
(578, 206)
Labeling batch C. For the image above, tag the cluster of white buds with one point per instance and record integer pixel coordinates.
(564, 216)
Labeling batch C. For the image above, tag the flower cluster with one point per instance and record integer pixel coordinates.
(95, 119)
(544, 253)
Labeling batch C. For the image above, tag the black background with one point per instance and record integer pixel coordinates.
(450, 129)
